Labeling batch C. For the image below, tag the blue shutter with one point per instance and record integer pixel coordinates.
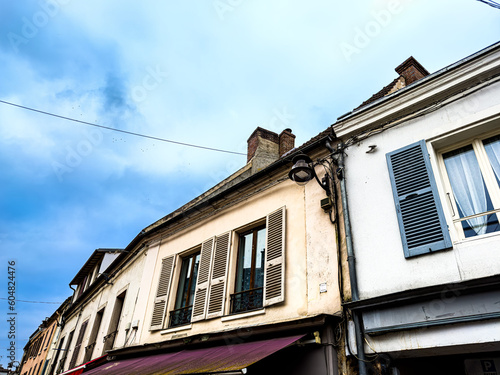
(420, 214)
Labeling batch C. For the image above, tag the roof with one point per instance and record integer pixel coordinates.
(409, 71)
(89, 265)
(379, 97)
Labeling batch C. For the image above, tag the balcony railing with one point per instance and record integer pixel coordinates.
(247, 300)
(180, 316)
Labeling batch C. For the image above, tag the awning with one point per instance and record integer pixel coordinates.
(79, 369)
(220, 359)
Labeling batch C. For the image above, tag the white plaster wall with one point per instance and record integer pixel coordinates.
(380, 261)
(128, 279)
(311, 258)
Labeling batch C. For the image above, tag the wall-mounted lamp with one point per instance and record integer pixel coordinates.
(303, 171)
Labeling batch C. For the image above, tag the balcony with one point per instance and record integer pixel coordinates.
(247, 300)
(180, 317)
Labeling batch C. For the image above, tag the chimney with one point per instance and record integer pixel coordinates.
(265, 147)
(263, 143)
(286, 141)
(411, 71)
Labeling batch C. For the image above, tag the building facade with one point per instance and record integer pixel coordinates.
(422, 175)
(244, 277)
(38, 349)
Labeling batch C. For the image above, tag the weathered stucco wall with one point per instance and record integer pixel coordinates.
(129, 279)
(311, 259)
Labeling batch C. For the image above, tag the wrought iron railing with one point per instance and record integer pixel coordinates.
(247, 300)
(180, 316)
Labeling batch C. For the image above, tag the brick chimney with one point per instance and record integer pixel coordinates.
(411, 70)
(287, 141)
(263, 143)
(265, 147)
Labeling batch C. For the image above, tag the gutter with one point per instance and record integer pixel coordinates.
(274, 166)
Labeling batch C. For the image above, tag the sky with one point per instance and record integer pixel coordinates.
(205, 73)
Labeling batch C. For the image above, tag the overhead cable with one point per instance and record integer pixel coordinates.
(120, 130)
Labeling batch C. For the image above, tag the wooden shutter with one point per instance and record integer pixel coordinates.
(203, 282)
(78, 344)
(274, 268)
(158, 317)
(420, 214)
(217, 286)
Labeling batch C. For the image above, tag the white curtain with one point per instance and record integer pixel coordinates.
(493, 151)
(468, 187)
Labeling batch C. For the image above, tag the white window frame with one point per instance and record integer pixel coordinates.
(447, 197)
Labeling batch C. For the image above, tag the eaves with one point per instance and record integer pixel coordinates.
(210, 201)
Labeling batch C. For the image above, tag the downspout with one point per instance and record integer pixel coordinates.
(358, 327)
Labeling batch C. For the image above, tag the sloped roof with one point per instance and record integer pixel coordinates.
(409, 71)
(89, 265)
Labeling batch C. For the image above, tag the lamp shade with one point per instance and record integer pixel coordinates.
(301, 172)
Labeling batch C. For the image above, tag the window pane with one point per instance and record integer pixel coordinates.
(260, 258)
(244, 272)
(187, 281)
(194, 277)
(492, 147)
(469, 190)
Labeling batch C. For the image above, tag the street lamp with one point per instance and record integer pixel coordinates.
(303, 171)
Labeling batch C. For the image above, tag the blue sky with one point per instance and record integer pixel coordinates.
(206, 73)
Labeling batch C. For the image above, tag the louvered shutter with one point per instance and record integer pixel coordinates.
(78, 344)
(217, 287)
(274, 268)
(203, 282)
(420, 214)
(158, 317)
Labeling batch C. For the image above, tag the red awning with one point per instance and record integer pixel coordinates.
(79, 369)
(220, 359)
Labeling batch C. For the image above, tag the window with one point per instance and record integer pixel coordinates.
(249, 283)
(89, 349)
(473, 173)
(420, 215)
(56, 358)
(49, 336)
(78, 344)
(65, 352)
(203, 277)
(181, 315)
(109, 339)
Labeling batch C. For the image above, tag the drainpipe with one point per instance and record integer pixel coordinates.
(358, 327)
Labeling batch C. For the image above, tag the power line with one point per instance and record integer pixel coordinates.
(19, 300)
(491, 3)
(119, 130)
